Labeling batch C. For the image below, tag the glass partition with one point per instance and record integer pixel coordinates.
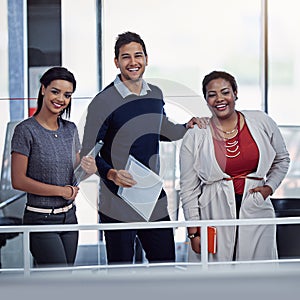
(290, 187)
(284, 62)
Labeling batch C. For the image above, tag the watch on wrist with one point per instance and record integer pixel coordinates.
(193, 235)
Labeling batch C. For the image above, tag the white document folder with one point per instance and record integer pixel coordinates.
(79, 173)
(143, 196)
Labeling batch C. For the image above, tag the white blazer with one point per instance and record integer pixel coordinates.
(206, 195)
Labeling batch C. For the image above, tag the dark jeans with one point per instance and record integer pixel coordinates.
(53, 248)
(158, 243)
(238, 202)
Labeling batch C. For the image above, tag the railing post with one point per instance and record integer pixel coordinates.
(204, 246)
(26, 252)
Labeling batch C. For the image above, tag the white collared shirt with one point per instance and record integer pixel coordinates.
(124, 90)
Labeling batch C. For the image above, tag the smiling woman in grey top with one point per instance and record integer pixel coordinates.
(45, 150)
(51, 157)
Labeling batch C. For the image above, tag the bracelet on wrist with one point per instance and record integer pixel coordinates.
(193, 235)
(73, 192)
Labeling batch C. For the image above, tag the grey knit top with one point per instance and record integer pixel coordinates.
(51, 156)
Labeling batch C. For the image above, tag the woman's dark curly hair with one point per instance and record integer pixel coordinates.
(215, 75)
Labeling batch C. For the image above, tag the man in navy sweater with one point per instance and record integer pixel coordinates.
(129, 117)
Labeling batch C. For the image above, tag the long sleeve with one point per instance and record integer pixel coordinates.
(189, 180)
(91, 127)
(280, 165)
(171, 131)
(102, 165)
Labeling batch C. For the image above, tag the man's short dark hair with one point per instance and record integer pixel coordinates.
(127, 38)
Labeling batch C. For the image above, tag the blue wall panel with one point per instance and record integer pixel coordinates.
(16, 58)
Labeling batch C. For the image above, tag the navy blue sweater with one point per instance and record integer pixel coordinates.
(133, 125)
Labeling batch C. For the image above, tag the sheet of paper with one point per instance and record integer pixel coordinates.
(143, 196)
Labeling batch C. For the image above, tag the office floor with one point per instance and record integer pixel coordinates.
(247, 282)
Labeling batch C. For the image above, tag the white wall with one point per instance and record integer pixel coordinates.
(79, 49)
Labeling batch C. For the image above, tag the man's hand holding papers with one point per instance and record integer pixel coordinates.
(143, 195)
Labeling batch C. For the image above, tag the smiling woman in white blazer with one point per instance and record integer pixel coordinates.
(229, 170)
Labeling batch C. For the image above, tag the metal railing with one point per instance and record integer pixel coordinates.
(12, 199)
(26, 230)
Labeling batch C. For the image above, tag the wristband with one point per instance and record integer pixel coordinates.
(193, 235)
(73, 192)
